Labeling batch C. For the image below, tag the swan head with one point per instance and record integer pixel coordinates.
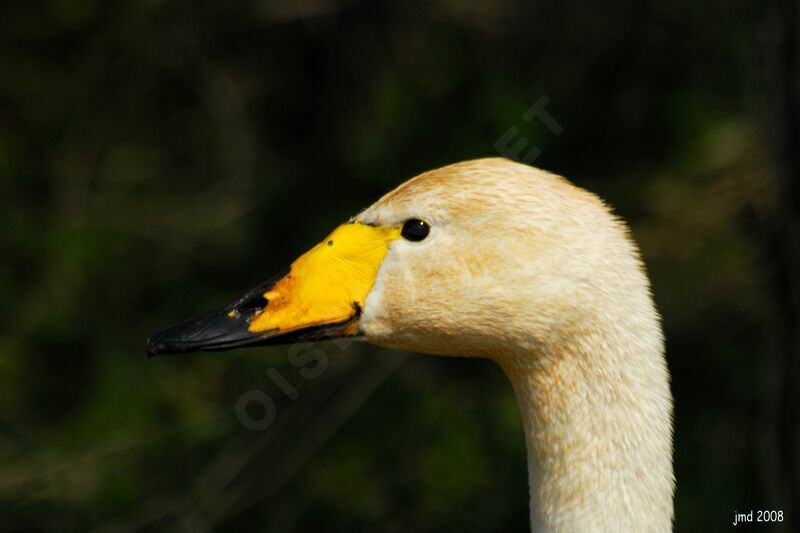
(516, 260)
(474, 259)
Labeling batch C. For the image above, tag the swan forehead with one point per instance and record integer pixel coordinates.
(473, 190)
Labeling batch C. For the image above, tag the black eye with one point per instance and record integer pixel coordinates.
(415, 229)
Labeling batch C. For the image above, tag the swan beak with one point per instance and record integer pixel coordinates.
(319, 297)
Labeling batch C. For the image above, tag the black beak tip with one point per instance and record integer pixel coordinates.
(218, 330)
(165, 342)
(214, 331)
(154, 348)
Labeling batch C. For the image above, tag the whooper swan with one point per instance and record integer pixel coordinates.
(490, 258)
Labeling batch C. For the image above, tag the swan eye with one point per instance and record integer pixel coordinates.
(415, 229)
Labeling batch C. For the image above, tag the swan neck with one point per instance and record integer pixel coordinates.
(597, 418)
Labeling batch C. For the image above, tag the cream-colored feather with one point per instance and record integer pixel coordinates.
(526, 269)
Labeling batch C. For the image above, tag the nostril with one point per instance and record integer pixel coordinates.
(252, 304)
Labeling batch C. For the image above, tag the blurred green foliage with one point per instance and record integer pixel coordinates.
(159, 157)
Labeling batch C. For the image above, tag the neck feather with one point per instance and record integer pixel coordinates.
(597, 416)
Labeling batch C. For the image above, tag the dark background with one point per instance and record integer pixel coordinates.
(157, 158)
